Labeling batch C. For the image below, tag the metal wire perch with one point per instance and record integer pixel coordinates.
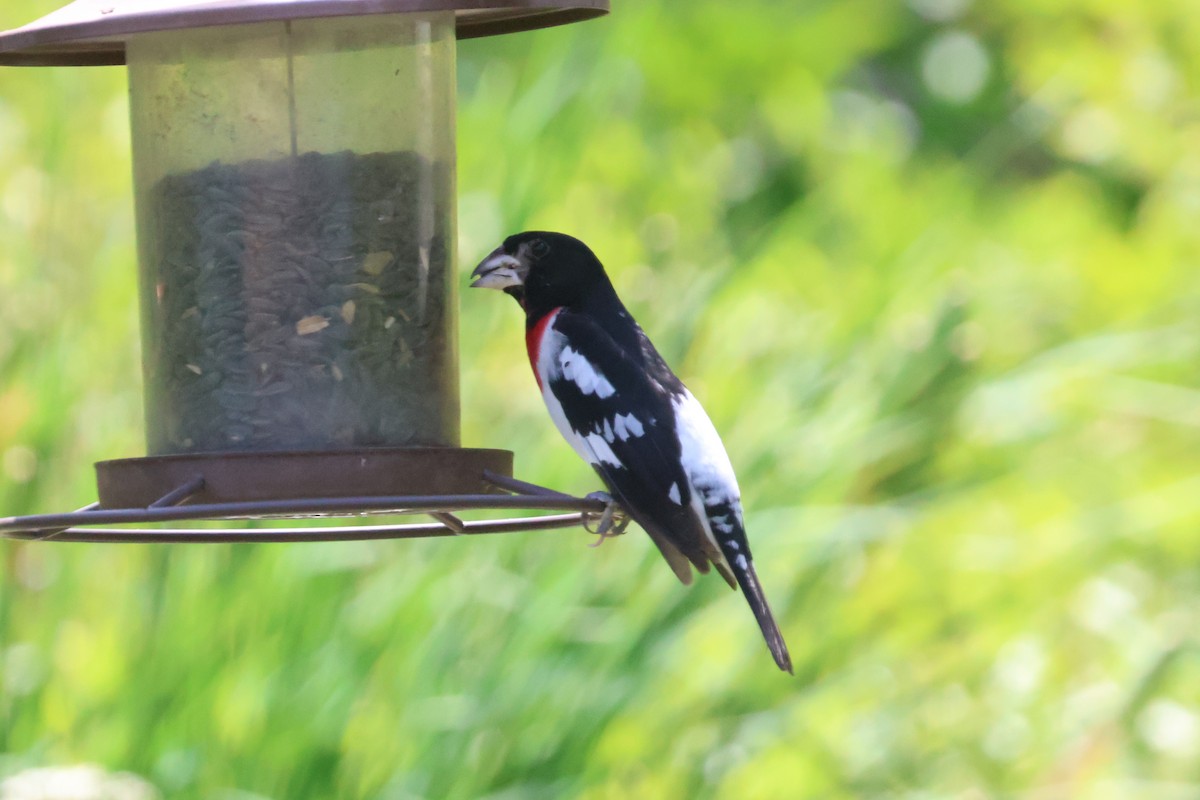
(596, 509)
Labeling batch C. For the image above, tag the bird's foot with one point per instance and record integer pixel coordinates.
(612, 521)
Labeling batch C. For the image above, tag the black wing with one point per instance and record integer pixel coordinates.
(642, 463)
(632, 432)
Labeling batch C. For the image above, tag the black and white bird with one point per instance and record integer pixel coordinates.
(625, 412)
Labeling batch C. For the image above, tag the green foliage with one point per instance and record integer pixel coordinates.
(928, 266)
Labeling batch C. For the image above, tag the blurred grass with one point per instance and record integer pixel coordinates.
(929, 267)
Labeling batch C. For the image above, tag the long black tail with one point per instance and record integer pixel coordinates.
(747, 578)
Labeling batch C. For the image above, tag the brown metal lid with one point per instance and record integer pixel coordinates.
(93, 32)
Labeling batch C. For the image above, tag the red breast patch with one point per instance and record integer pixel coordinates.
(533, 340)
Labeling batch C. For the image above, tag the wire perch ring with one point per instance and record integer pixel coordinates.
(74, 526)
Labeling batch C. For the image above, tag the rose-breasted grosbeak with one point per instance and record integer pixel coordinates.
(619, 405)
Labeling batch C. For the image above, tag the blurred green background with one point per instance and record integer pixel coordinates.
(931, 268)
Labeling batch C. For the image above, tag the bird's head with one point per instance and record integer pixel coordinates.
(542, 270)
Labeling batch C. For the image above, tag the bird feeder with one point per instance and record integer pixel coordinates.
(294, 182)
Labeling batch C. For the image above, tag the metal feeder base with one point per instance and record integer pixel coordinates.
(177, 505)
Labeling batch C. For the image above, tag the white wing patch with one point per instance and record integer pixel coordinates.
(674, 494)
(584, 374)
(553, 357)
(626, 425)
(601, 452)
(556, 359)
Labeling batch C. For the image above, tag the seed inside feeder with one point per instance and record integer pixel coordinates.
(299, 304)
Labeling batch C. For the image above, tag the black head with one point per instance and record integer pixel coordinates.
(543, 270)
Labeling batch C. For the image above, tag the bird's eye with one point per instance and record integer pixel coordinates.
(539, 248)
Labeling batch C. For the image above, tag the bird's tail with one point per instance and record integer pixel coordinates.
(747, 578)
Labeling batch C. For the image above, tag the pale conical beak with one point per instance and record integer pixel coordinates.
(499, 271)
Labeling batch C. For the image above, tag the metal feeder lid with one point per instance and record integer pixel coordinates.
(93, 32)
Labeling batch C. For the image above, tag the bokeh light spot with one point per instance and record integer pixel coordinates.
(955, 66)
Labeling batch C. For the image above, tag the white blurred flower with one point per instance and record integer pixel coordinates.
(939, 10)
(1091, 134)
(955, 66)
(79, 782)
(1169, 727)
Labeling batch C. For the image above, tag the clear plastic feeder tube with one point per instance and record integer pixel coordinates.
(295, 200)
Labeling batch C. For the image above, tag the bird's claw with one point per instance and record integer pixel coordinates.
(612, 521)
